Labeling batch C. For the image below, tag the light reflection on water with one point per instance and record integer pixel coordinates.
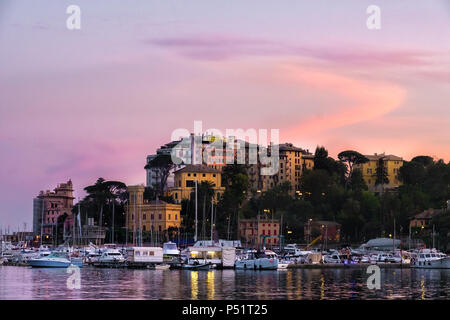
(297, 284)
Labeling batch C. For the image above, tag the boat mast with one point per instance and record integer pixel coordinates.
(212, 217)
(195, 236)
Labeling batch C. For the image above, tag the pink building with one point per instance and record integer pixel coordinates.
(50, 205)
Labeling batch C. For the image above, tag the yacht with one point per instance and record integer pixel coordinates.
(430, 259)
(170, 249)
(53, 260)
(111, 256)
(266, 260)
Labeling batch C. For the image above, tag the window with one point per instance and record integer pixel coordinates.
(152, 216)
(203, 175)
(144, 228)
(274, 232)
(195, 174)
(189, 174)
(176, 217)
(264, 232)
(160, 216)
(144, 216)
(190, 183)
(214, 175)
(268, 232)
(159, 228)
(169, 216)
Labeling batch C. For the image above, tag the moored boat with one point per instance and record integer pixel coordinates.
(266, 260)
(195, 265)
(430, 259)
(53, 260)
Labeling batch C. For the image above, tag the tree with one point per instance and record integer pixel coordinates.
(381, 173)
(236, 182)
(165, 166)
(107, 196)
(423, 160)
(351, 158)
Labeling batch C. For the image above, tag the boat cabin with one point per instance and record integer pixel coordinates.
(145, 254)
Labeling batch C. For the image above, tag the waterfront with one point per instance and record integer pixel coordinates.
(296, 284)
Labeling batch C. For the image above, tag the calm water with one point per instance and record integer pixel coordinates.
(27, 283)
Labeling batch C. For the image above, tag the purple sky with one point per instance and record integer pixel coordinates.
(94, 102)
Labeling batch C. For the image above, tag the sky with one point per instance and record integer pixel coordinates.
(90, 103)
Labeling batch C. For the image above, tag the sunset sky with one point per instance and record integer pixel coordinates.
(94, 102)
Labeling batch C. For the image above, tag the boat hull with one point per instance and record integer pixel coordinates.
(48, 264)
(257, 264)
(197, 267)
(434, 264)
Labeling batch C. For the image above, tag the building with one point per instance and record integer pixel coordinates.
(369, 171)
(186, 178)
(254, 232)
(156, 216)
(424, 218)
(49, 206)
(293, 161)
(307, 161)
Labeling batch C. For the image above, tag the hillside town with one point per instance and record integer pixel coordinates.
(311, 200)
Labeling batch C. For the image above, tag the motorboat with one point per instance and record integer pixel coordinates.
(111, 256)
(283, 264)
(53, 260)
(162, 266)
(266, 260)
(194, 264)
(170, 249)
(332, 258)
(430, 259)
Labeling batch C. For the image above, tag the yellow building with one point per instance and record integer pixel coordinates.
(307, 161)
(143, 215)
(186, 177)
(369, 170)
(290, 165)
(253, 231)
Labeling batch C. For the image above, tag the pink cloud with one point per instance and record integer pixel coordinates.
(220, 47)
(359, 100)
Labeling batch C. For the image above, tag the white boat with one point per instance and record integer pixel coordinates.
(430, 259)
(162, 266)
(266, 260)
(111, 256)
(194, 264)
(54, 260)
(283, 264)
(170, 249)
(333, 258)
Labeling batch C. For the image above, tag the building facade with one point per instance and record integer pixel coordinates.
(187, 177)
(392, 166)
(259, 231)
(49, 206)
(144, 216)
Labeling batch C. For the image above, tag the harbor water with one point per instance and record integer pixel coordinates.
(297, 284)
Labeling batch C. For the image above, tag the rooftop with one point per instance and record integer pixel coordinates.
(198, 169)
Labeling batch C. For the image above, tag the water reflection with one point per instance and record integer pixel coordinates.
(27, 283)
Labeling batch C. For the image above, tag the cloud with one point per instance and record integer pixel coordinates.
(356, 100)
(221, 47)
